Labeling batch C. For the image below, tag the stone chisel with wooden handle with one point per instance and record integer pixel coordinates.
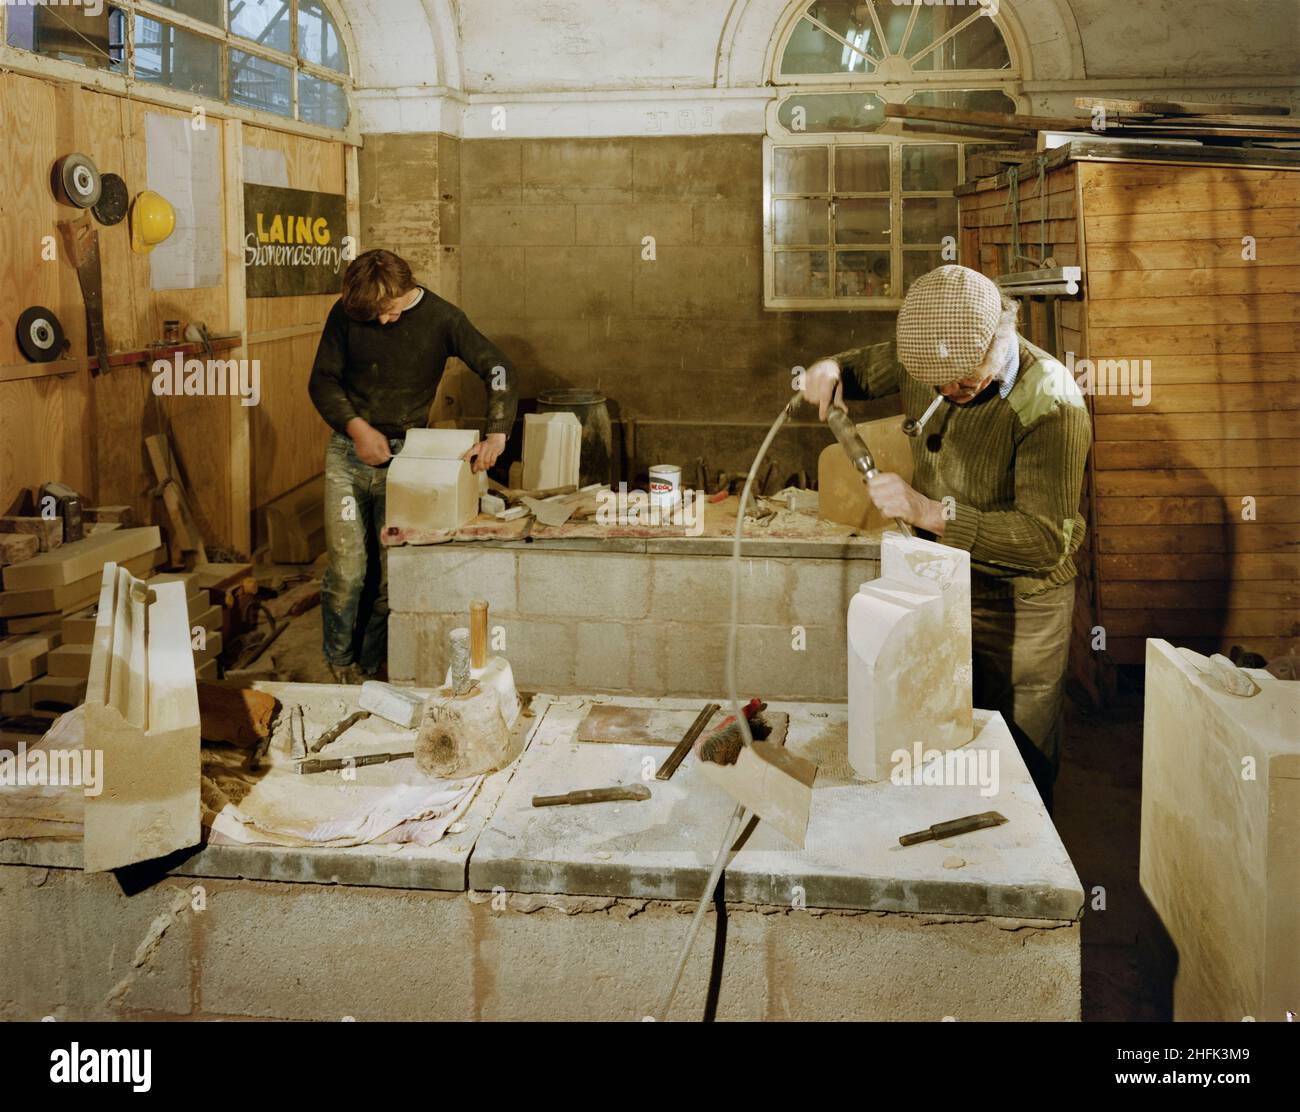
(336, 764)
(634, 794)
(953, 827)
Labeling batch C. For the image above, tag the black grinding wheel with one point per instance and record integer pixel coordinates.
(114, 201)
(40, 335)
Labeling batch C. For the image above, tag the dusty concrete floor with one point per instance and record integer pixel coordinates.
(1127, 970)
(1098, 810)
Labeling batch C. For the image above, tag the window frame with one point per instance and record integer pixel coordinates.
(898, 88)
(897, 248)
(125, 84)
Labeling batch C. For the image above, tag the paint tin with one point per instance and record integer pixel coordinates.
(665, 485)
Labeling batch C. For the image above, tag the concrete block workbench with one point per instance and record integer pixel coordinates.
(641, 616)
(576, 913)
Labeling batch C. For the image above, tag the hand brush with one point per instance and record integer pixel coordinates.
(723, 745)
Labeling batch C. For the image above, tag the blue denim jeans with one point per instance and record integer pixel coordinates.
(354, 594)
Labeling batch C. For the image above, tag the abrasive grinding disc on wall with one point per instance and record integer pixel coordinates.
(114, 200)
(76, 181)
(40, 336)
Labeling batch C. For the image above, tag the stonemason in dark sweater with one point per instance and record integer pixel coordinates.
(388, 374)
(381, 358)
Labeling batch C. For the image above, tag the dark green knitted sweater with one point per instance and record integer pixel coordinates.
(1013, 467)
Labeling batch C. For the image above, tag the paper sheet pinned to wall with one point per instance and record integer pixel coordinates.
(184, 165)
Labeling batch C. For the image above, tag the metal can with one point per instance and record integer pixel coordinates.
(665, 485)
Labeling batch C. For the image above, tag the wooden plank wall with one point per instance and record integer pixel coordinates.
(90, 434)
(1179, 556)
(288, 435)
(986, 219)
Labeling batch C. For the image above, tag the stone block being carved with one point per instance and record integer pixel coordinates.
(552, 450)
(910, 655)
(142, 713)
(843, 494)
(431, 489)
(1220, 850)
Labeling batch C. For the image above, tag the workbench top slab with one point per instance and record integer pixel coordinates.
(664, 848)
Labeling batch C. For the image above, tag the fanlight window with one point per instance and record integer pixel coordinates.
(893, 42)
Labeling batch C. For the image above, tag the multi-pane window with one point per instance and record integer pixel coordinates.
(285, 57)
(858, 221)
(855, 209)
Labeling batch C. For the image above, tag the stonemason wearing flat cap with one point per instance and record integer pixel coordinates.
(998, 472)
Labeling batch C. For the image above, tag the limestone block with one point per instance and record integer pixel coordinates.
(771, 782)
(1221, 833)
(71, 661)
(844, 496)
(25, 658)
(403, 708)
(142, 713)
(71, 562)
(909, 654)
(430, 487)
(552, 450)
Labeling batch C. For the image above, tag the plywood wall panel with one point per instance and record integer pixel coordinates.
(288, 435)
(1147, 283)
(1234, 397)
(91, 433)
(1204, 553)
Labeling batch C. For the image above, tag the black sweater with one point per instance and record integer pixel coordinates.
(389, 374)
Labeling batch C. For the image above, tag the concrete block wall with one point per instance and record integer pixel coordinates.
(239, 949)
(541, 243)
(628, 622)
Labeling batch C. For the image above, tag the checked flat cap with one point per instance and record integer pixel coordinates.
(947, 323)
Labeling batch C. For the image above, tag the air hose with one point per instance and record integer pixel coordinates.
(740, 816)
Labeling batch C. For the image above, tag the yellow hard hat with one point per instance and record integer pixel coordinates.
(152, 221)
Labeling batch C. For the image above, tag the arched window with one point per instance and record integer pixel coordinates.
(853, 215)
(284, 57)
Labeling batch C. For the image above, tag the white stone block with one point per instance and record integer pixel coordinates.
(909, 638)
(552, 450)
(430, 487)
(402, 708)
(1220, 850)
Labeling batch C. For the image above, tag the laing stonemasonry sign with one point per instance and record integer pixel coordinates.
(295, 241)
